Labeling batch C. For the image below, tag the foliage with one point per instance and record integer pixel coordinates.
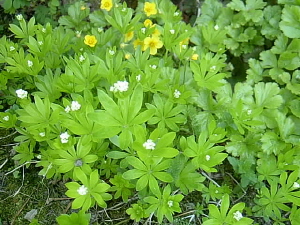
(137, 105)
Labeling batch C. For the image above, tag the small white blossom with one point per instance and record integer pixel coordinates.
(29, 63)
(170, 203)
(75, 106)
(143, 30)
(249, 111)
(21, 93)
(296, 185)
(184, 46)
(111, 52)
(11, 48)
(153, 66)
(82, 190)
(64, 137)
(6, 118)
(237, 215)
(213, 68)
(67, 109)
(40, 43)
(44, 30)
(19, 17)
(138, 77)
(120, 86)
(207, 157)
(81, 58)
(78, 33)
(38, 156)
(176, 13)
(42, 134)
(149, 144)
(216, 27)
(100, 29)
(176, 93)
(172, 31)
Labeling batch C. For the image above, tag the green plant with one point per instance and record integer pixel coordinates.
(136, 105)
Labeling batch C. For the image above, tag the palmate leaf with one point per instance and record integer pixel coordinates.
(206, 73)
(290, 23)
(38, 114)
(267, 95)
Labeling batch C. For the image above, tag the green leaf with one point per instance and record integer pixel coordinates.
(133, 174)
(266, 95)
(109, 105)
(290, 21)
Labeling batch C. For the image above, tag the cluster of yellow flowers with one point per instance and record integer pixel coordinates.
(152, 42)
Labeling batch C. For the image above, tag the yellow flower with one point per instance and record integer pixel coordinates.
(106, 4)
(138, 42)
(150, 8)
(128, 36)
(82, 7)
(156, 33)
(127, 56)
(90, 40)
(148, 23)
(194, 56)
(153, 43)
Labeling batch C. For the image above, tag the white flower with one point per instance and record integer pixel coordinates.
(6, 118)
(38, 156)
(213, 68)
(111, 52)
(184, 46)
(207, 157)
(42, 134)
(64, 137)
(143, 30)
(249, 111)
(81, 58)
(44, 30)
(296, 185)
(170, 203)
(120, 86)
(11, 48)
(78, 33)
(153, 66)
(40, 43)
(237, 215)
(29, 63)
(138, 77)
(67, 109)
(216, 27)
(19, 17)
(176, 93)
(82, 190)
(176, 13)
(21, 93)
(149, 144)
(75, 106)
(100, 29)
(172, 31)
